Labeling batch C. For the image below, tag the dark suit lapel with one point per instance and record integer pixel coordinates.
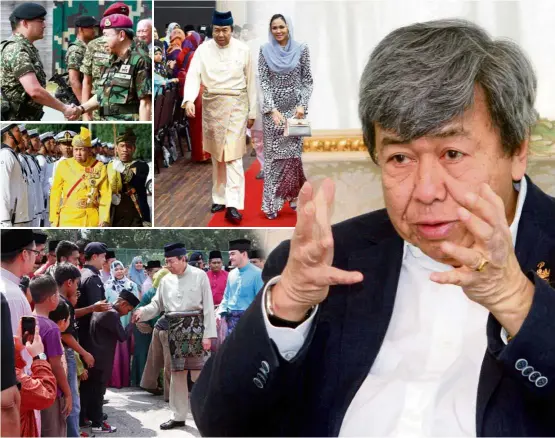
(533, 246)
(368, 312)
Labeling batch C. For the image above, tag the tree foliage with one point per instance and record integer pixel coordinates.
(202, 240)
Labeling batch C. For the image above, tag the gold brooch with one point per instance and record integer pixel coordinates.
(543, 273)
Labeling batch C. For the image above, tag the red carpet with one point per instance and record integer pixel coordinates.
(253, 215)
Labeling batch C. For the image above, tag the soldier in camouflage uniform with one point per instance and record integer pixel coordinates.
(22, 74)
(125, 88)
(97, 57)
(85, 28)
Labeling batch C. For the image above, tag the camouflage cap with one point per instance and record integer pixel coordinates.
(117, 8)
(27, 11)
(127, 137)
(117, 21)
(65, 136)
(83, 139)
(8, 127)
(86, 21)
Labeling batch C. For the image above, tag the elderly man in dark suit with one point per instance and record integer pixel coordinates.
(435, 316)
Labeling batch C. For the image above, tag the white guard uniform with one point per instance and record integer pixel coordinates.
(14, 203)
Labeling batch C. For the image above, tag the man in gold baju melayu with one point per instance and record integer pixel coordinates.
(80, 194)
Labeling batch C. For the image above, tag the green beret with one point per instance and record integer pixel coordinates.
(27, 11)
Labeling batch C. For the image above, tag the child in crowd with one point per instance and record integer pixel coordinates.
(46, 298)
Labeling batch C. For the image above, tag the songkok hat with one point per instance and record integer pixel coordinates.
(117, 8)
(8, 127)
(196, 257)
(257, 254)
(153, 264)
(222, 18)
(46, 136)
(215, 255)
(83, 139)
(33, 133)
(27, 11)
(117, 21)
(65, 136)
(52, 244)
(40, 238)
(188, 28)
(86, 21)
(14, 239)
(128, 296)
(240, 245)
(174, 250)
(127, 137)
(22, 129)
(95, 248)
(110, 255)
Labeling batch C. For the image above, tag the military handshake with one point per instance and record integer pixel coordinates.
(108, 78)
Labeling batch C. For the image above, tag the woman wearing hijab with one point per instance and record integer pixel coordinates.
(143, 333)
(118, 282)
(160, 71)
(137, 273)
(286, 83)
(184, 59)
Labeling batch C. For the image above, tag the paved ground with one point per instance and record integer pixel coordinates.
(136, 413)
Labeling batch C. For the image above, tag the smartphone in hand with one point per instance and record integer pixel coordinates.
(28, 324)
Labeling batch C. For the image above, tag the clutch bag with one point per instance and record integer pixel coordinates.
(297, 128)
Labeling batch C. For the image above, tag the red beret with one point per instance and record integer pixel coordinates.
(116, 21)
(117, 8)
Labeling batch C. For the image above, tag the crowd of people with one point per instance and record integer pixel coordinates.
(68, 179)
(82, 321)
(237, 89)
(107, 77)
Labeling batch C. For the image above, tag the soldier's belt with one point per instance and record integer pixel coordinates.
(80, 203)
(116, 110)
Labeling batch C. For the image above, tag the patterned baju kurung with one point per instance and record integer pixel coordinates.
(283, 170)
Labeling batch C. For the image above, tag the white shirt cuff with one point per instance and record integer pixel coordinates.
(289, 341)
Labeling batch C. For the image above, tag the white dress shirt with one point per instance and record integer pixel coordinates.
(424, 381)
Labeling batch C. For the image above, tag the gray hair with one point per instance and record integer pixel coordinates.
(421, 76)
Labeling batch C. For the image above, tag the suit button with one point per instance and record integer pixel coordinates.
(541, 381)
(521, 364)
(261, 377)
(534, 376)
(258, 383)
(527, 371)
(265, 367)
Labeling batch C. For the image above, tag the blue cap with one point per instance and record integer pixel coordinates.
(174, 250)
(222, 18)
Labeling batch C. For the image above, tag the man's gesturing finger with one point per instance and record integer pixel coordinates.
(305, 216)
(330, 276)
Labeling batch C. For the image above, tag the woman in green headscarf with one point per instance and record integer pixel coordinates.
(143, 332)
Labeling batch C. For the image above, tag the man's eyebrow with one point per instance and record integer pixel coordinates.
(445, 132)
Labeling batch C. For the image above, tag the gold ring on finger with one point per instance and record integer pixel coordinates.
(482, 265)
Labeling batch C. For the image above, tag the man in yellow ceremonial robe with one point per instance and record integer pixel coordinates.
(80, 194)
